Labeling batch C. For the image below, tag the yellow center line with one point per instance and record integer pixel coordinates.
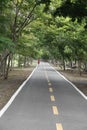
(50, 89)
(49, 84)
(47, 77)
(59, 126)
(48, 80)
(55, 110)
(52, 98)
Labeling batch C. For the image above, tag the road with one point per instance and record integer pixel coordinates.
(46, 102)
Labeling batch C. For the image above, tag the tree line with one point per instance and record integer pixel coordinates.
(50, 29)
(15, 16)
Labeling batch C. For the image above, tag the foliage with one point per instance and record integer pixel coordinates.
(28, 45)
(50, 29)
(72, 8)
(6, 43)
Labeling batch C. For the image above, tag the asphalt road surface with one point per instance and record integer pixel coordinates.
(46, 102)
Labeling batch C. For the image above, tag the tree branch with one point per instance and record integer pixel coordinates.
(26, 19)
(28, 22)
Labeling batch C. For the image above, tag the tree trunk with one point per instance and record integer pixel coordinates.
(5, 63)
(64, 65)
(71, 64)
(25, 59)
(19, 61)
(31, 60)
(85, 66)
(4, 57)
(11, 66)
(7, 68)
(79, 67)
(3, 67)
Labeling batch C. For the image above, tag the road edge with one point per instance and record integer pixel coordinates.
(3, 110)
(81, 93)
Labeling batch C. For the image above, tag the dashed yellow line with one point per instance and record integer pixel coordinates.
(46, 75)
(49, 84)
(59, 126)
(48, 80)
(51, 90)
(55, 110)
(52, 98)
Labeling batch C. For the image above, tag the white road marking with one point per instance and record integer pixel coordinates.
(2, 111)
(81, 93)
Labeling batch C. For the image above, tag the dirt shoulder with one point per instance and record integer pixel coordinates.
(9, 86)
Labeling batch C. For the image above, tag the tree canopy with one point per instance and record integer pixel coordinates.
(72, 8)
(50, 29)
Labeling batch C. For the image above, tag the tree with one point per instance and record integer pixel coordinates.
(72, 8)
(6, 45)
(17, 14)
